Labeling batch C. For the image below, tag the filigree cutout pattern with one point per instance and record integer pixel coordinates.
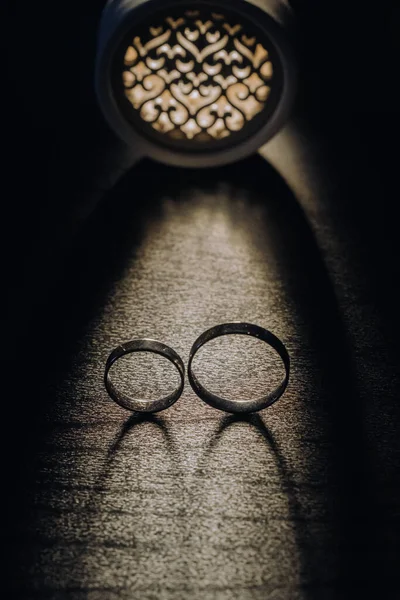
(197, 77)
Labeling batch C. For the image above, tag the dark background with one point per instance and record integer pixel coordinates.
(73, 252)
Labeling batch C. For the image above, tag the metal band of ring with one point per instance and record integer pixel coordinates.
(144, 406)
(239, 406)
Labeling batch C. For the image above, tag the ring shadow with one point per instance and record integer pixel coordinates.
(132, 423)
(256, 422)
(100, 487)
(297, 515)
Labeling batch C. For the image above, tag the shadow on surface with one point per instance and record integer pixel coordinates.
(132, 423)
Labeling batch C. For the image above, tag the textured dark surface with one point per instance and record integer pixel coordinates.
(301, 502)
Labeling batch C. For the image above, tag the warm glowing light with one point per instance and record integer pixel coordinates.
(197, 79)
